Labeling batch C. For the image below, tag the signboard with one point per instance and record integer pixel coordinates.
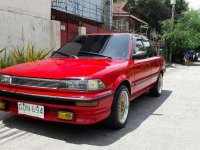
(63, 28)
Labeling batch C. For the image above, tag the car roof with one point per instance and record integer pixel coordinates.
(131, 34)
(108, 33)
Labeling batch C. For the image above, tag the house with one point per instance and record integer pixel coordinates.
(82, 17)
(123, 21)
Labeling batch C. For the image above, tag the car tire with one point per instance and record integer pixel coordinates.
(156, 90)
(120, 109)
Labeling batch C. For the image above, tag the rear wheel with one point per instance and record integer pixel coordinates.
(156, 90)
(120, 109)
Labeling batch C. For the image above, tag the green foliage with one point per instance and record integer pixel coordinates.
(163, 52)
(186, 33)
(29, 54)
(18, 56)
(166, 26)
(154, 11)
(2, 50)
(181, 7)
(119, 1)
(6, 60)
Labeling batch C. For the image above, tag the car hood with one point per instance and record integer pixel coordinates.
(60, 68)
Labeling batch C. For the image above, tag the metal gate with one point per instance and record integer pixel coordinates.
(70, 31)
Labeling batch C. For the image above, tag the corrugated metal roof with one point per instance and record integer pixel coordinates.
(118, 8)
(138, 19)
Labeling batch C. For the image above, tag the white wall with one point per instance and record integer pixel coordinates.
(25, 21)
(37, 8)
(55, 34)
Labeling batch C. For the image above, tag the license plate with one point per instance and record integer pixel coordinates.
(31, 110)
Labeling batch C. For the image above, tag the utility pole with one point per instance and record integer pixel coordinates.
(173, 3)
(129, 21)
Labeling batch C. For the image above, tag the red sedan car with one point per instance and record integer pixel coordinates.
(92, 78)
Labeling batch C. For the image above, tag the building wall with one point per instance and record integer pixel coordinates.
(121, 24)
(108, 14)
(55, 34)
(25, 21)
(88, 9)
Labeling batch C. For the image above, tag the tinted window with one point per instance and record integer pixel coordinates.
(115, 46)
(151, 51)
(139, 46)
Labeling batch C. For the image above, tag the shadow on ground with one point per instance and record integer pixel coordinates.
(142, 108)
(194, 64)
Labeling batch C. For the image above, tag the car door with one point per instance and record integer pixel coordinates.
(153, 59)
(140, 69)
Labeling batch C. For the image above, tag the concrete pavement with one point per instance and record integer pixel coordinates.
(171, 121)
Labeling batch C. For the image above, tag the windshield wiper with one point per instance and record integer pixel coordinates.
(65, 54)
(95, 54)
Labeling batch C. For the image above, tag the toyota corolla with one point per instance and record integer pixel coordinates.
(91, 79)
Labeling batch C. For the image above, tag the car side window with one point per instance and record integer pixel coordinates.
(139, 46)
(150, 50)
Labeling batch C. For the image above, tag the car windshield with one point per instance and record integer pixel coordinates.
(90, 46)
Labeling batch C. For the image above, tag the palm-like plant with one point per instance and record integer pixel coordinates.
(29, 54)
(18, 56)
(6, 60)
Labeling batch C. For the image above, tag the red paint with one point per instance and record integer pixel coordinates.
(111, 72)
(68, 32)
(64, 36)
(71, 31)
(90, 28)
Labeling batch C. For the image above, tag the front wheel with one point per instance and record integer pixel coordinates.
(156, 90)
(119, 109)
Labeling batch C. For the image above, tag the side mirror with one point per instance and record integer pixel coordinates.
(140, 55)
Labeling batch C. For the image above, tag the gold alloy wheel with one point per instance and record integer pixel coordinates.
(123, 106)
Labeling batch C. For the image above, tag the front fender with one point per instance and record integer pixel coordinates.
(118, 81)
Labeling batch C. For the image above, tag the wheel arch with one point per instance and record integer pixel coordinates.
(122, 80)
(127, 84)
(162, 72)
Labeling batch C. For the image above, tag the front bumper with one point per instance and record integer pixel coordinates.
(53, 104)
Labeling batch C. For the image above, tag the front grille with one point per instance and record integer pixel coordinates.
(33, 82)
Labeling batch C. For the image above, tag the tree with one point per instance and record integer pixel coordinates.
(119, 1)
(186, 33)
(181, 6)
(154, 11)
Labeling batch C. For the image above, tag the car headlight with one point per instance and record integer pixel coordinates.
(89, 85)
(5, 79)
